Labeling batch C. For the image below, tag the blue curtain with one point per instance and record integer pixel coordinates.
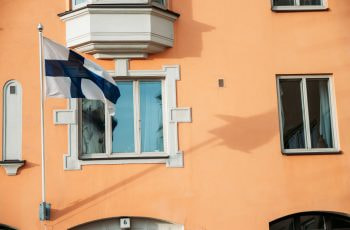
(151, 116)
(123, 120)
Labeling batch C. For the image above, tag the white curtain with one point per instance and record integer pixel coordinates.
(325, 116)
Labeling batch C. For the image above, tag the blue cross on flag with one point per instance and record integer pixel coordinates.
(70, 75)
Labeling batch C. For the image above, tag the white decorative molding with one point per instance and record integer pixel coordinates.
(175, 161)
(11, 167)
(121, 67)
(117, 32)
(180, 115)
(64, 117)
(173, 157)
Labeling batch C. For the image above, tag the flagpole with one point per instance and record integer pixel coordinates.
(44, 210)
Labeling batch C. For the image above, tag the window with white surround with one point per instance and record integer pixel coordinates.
(142, 130)
(307, 114)
(290, 5)
(136, 129)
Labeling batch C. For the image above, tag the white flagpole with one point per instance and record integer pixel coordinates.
(44, 207)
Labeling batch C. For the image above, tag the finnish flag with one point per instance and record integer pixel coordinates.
(70, 75)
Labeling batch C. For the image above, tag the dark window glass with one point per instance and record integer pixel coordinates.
(291, 114)
(310, 2)
(319, 113)
(93, 126)
(283, 2)
(312, 222)
(339, 223)
(286, 224)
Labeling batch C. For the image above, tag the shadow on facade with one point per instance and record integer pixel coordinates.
(187, 34)
(27, 165)
(246, 133)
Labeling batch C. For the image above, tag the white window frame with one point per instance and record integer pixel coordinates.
(80, 5)
(172, 157)
(334, 123)
(163, 6)
(137, 126)
(150, 2)
(298, 7)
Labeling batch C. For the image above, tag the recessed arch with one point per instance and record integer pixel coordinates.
(12, 121)
(137, 223)
(321, 220)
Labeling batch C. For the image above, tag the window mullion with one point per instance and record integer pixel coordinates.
(297, 2)
(108, 130)
(137, 120)
(306, 114)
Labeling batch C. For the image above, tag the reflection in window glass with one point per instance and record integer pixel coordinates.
(286, 224)
(151, 116)
(76, 2)
(310, 2)
(283, 2)
(93, 126)
(159, 1)
(312, 222)
(292, 114)
(319, 113)
(123, 120)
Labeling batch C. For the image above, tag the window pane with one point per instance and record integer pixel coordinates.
(310, 2)
(312, 223)
(76, 2)
(151, 116)
(159, 1)
(291, 114)
(283, 2)
(286, 224)
(319, 113)
(123, 120)
(93, 126)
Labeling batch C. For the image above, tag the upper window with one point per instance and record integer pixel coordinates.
(299, 4)
(80, 3)
(137, 127)
(307, 117)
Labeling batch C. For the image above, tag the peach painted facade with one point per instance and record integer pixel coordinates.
(234, 175)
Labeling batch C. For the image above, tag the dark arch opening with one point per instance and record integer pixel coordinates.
(139, 223)
(5, 227)
(315, 220)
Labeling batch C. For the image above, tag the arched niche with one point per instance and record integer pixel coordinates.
(12, 127)
(320, 220)
(136, 223)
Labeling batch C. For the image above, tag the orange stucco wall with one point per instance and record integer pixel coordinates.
(235, 176)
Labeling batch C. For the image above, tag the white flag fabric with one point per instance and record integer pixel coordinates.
(70, 75)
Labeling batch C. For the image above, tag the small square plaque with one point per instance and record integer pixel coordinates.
(124, 223)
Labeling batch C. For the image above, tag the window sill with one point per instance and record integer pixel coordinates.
(11, 166)
(121, 156)
(299, 8)
(311, 152)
